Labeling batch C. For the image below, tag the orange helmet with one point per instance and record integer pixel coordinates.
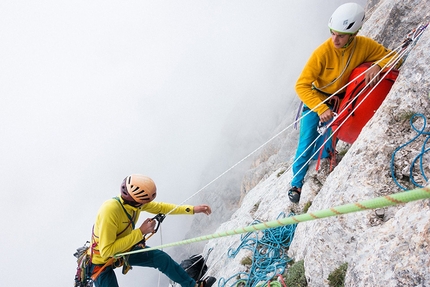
(138, 188)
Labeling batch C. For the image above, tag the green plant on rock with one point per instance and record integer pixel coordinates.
(296, 275)
(246, 261)
(306, 207)
(406, 116)
(255, 207)
(337, 277)
(281, 173)
(342, 152)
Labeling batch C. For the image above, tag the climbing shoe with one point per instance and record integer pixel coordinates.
(294, 194)
(207, 282)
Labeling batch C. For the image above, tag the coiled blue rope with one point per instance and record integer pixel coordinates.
(269, 255)
(418, 157)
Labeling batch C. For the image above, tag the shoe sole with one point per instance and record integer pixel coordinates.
(210, 281)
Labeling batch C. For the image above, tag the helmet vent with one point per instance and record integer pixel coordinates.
(347, 18)
(138, 192)
(350, 26)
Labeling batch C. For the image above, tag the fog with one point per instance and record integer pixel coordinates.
(92, 91)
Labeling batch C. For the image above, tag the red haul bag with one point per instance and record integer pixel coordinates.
(365, 104)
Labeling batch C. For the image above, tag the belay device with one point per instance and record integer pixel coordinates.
(159, 218)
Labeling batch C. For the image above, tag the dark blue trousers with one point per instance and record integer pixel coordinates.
(156, 259)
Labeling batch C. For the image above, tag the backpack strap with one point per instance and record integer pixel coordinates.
(130, 218)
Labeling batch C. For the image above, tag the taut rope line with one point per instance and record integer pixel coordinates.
(265, 143)
(379, 202)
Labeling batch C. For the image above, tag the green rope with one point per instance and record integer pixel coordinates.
(379, 202)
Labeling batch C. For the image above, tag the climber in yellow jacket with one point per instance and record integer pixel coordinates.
(114, 232)
(326, 72)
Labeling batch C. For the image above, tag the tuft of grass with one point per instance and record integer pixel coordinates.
(337, 277)
(406, 116)
(246, 261)
(342, 152)
(306, 207)
(296, 275)
(281, 173)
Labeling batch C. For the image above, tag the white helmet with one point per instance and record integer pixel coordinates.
(347, 18)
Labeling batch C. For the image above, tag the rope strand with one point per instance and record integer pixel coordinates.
(374, 203)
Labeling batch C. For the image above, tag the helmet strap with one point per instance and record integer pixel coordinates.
(351, 38)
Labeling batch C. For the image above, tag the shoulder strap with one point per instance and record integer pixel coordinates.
(130, 218)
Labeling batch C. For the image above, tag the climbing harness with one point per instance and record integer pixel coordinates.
(83, 276)
(420, 156)
(86, 278)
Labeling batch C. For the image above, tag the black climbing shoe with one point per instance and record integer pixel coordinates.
(207, 282)
(294, 194)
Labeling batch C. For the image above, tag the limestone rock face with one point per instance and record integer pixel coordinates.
(387, 247)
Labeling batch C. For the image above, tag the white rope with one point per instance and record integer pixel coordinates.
(232, 167)
(415, 36)
(264, 144)
(403, 52)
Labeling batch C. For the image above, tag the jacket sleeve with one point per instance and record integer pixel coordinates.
(376, 52)
(163, 207)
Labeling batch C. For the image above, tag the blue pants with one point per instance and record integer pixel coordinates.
(155, 259)
(308, 134)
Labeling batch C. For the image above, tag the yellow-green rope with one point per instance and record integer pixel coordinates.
(379, 202)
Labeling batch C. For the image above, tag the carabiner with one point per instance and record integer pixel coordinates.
(159, 217)
(323, 126)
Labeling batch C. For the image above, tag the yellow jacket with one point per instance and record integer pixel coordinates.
(327, 63)
(113, 233)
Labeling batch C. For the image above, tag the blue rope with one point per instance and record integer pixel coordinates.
(419, 156)
(269, 255)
